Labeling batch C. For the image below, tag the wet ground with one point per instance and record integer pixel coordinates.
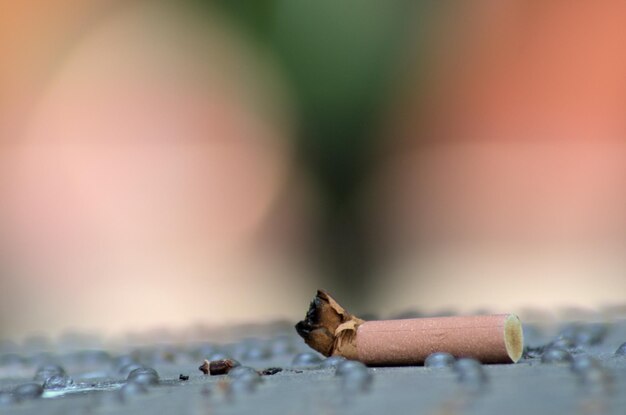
(569, 368)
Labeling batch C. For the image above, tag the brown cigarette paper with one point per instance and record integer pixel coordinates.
(333, 331)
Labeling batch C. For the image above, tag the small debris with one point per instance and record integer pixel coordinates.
(218, 367)
(533, 352)
(183, 377)
(271, 371)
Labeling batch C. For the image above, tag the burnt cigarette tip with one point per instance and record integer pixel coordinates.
(513, 337)
(328, 327)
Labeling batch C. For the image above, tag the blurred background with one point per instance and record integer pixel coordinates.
(164, 164)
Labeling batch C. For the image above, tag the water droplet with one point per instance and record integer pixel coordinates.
(348, 366)
(12, 359)
(470, 371)
(332, 361)
(241, 371)
(584, 363)
(28, 390)
(58, 382)
(131, 390)
(563, 343)
(144, 376)
(355, 376)
(439, 359)
(306, 360)
(8, 398)
(556, 356)
(46, 371)
(281, 346)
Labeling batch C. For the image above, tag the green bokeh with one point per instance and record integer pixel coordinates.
(340, 58)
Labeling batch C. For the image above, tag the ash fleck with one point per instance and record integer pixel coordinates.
(271, 371)
(533, 352)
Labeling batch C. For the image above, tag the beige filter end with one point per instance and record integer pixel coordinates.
(513, 337)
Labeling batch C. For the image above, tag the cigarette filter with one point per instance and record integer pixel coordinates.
(332, 331)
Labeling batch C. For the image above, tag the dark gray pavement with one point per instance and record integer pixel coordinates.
(587, 377)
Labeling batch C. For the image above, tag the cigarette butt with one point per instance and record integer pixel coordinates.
(489, 338)
(332, 331)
